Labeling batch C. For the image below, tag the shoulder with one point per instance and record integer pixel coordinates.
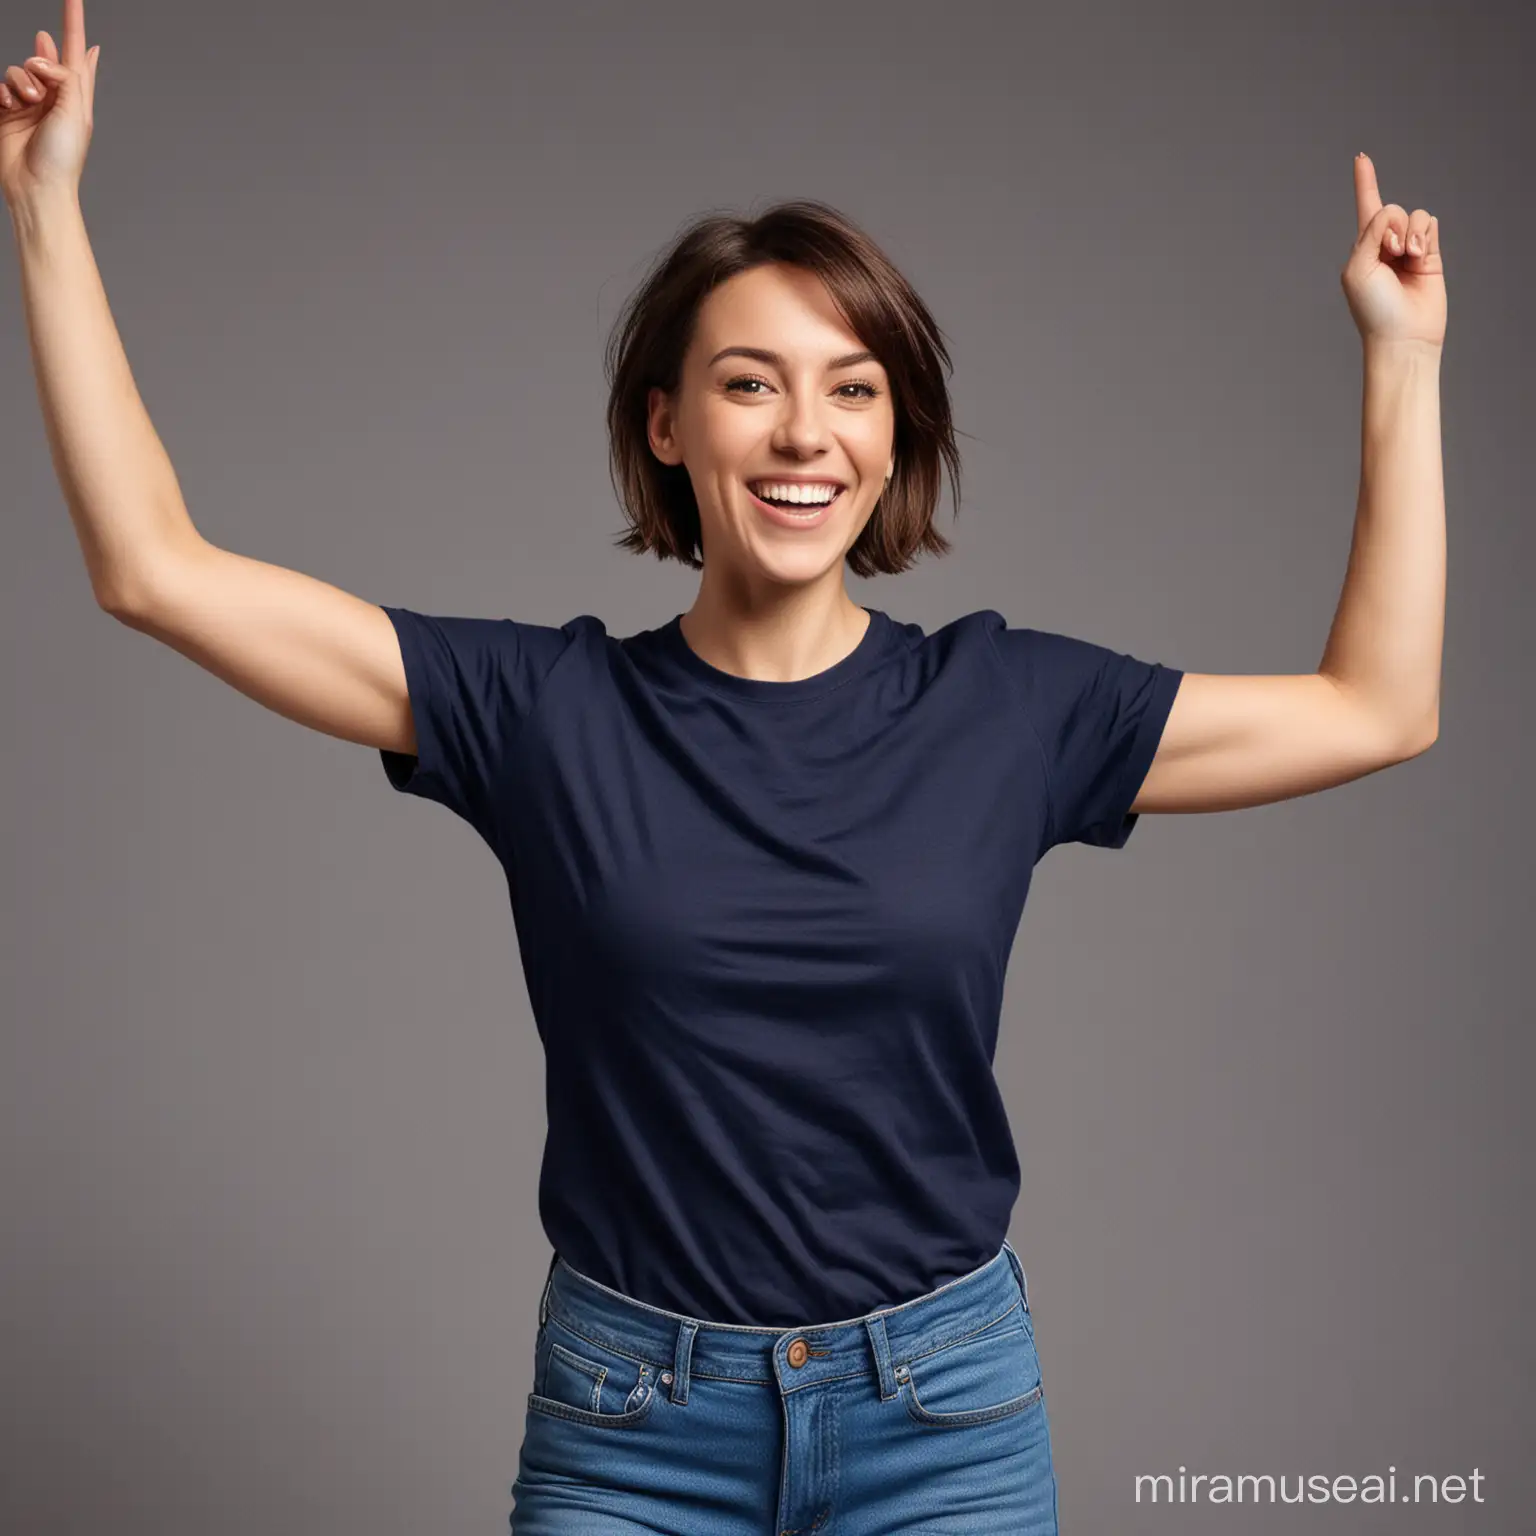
(487, 659)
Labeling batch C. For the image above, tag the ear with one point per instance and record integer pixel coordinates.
(659, 426)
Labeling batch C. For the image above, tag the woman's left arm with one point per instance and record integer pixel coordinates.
(1233, 741)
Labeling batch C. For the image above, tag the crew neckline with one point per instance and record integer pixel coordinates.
(861, 657)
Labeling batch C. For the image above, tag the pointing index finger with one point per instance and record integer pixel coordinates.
(73, 40)
(1367, 197)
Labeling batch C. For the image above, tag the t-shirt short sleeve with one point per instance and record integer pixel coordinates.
(1099, 715)
(472, 682)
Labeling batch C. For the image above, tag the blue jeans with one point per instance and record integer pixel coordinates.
(927, 1417)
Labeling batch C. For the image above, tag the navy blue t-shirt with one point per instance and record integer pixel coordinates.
(764, 928)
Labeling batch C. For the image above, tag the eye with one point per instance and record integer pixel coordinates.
(871, 391)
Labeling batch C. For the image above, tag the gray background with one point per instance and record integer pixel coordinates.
(271, 1100)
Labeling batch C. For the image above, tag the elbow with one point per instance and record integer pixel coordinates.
(1421, 740)
(110, 603)
(113, 604)
(117, 603)
(122, 595)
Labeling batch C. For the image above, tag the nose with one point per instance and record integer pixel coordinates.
(802, 428)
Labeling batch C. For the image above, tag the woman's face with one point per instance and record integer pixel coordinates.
(806, 414)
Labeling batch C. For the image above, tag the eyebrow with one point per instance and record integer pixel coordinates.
(763, 355)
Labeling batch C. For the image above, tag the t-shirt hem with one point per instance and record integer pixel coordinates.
(409, 771)
(1144, 745)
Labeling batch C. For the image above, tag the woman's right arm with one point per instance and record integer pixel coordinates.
(303, 648)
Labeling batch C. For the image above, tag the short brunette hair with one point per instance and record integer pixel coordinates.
(648, 341)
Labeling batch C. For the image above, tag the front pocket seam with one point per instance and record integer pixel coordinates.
(963, 1417)
(626, 1420)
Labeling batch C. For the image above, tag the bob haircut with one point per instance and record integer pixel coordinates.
(646, 348)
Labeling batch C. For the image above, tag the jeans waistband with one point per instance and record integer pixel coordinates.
(681, 1347)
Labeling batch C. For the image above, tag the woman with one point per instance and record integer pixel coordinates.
(766, 859)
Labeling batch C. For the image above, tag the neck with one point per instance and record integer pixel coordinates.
(781, 637)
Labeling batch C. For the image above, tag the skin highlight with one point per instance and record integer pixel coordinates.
(772, 602)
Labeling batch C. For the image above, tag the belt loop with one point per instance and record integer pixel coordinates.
(1018, 1270)
(880, 1347)
(682, 1359)
(549, 1280)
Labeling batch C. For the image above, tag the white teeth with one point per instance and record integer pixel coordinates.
(805, 495)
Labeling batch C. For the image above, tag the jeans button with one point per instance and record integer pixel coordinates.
(797, 1352)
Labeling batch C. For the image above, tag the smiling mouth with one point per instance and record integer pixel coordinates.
(805, 511)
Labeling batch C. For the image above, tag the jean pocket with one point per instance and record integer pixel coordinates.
(576, 1378)
(990, 1374)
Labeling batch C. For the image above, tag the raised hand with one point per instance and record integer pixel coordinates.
(1394, 280)
(45, 112)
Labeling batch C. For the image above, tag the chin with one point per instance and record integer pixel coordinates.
(797, 567)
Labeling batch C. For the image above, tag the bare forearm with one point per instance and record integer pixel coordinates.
(1387, 636)
(117, 479)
